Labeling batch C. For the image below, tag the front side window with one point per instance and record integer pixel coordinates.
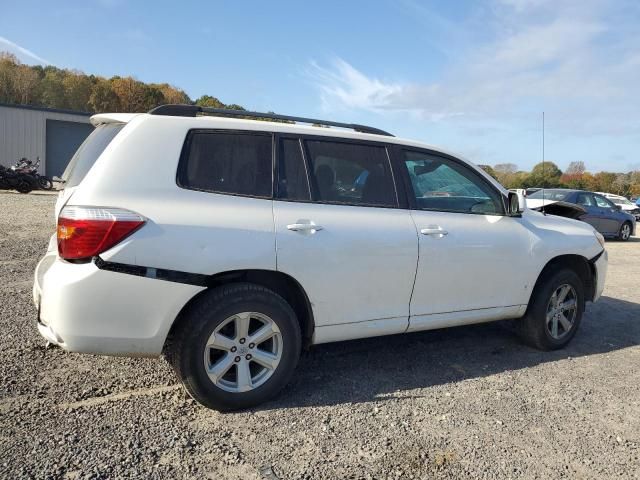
(444, 185)
(603, 202)
(232, 163)
(349, 173)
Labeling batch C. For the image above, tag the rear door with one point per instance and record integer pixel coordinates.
(341, 233)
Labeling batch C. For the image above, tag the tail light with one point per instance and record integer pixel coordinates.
(84, 232)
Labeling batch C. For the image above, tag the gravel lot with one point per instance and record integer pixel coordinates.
(469, 401)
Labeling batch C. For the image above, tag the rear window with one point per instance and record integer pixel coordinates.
(557, 195)
(231, 163)
(89, 152)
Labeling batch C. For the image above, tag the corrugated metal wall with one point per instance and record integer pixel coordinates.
(23, 133)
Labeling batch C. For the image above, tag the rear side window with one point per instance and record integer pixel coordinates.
(232, 163)
(88, 153)
(349, 173)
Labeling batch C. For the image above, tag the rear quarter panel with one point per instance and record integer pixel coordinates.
(186, 230)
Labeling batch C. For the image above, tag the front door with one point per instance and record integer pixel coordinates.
(341, 234)
(473, 260)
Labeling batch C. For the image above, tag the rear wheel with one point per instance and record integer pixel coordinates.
(24, 187)
(237, 347)
(625, 232)
(555, 311)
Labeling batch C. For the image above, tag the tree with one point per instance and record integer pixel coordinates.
(77, 90)
(25, 84)
(131, 94)
(103, 98)
(8, 63)
(489, 170)
(209, 101)
(52, 88)
(575, 168)
(506, 174)
(544, 174)
(172, 94)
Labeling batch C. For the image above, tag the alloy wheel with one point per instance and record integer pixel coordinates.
(243, 352)
(561, 311)
(625, 232)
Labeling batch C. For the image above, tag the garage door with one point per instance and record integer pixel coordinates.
(63, 139)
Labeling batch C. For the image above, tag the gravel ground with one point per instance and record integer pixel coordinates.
(463, 402)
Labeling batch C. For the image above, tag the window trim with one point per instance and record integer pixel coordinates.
(303, 138)
(186, 148)
(279, 137)
(411, 197)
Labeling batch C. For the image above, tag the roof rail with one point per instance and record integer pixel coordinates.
(177, 110)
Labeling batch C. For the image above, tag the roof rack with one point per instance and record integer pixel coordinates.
(177, 110)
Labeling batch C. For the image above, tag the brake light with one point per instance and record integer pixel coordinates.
(84, 232)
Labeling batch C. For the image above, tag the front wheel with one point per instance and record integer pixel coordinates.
(236, 347)
(45, 183)
(625, 232)
(555, 311)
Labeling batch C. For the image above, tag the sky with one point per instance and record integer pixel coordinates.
(471, 76)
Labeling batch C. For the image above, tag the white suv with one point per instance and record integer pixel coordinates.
(229, 244)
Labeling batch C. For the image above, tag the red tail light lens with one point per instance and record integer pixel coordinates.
(84, 232)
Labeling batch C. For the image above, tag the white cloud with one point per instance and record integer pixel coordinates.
(579, 61)
(22, 53)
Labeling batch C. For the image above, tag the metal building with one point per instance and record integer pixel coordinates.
(35, 132)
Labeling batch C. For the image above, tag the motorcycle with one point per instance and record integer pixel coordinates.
(27, 167)
(11, 180)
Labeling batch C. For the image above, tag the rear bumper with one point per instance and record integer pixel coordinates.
(84, 309)
(600, 269)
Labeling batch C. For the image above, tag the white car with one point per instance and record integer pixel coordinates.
(624, 203)
(229, 244)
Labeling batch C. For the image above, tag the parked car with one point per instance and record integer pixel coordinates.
(603, 214)
(624, 203)
(226, 244)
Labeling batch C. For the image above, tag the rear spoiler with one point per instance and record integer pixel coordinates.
(102, 118)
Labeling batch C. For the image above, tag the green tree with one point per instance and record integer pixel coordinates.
(489, 170)
(209, 101)
(544, 174)
(52, 91)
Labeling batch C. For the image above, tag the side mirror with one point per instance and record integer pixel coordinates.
(516, 203)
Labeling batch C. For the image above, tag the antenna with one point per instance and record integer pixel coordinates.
(543, 177)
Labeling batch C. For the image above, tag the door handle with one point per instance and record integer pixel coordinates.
(434, 230)
(304, 226)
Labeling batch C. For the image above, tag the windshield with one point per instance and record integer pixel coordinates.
(88, 153)
(554, 195)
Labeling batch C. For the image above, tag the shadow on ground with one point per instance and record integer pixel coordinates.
(374, 369)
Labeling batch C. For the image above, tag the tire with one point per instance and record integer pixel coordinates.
(534, 327)
(625, 232)
(45, 183)
(216, 318)
(23, 187)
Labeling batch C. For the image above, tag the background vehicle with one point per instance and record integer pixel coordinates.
(624, 203)
(27, 167)
(229, 244)
(606, 217)
(22, 182)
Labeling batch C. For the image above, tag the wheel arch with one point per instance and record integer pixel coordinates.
(282, 284)
(579, 264)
